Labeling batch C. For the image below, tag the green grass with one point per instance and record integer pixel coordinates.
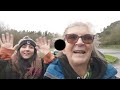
(111, 59)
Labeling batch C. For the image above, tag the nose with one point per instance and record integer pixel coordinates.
(27, 48)
(79, 41)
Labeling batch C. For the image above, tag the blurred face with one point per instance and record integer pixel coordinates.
(27, 51)
(79, 45)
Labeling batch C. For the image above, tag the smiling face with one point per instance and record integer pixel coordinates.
(79, 52)
(27, 51)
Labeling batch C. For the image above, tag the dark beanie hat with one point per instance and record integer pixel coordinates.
(26, 40)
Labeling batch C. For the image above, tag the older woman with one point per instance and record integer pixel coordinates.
(80, 59)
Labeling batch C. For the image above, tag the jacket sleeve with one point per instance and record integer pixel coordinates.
(44, 67)
(5, 54)
(48, 58)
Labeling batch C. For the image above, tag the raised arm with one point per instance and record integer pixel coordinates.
(6, 43)
(43, 47)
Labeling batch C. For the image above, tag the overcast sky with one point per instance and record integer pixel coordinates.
(56, 21)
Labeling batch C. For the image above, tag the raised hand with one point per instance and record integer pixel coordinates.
(6, 41)
(43, 45)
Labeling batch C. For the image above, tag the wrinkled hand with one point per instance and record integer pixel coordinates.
(6, 41)
(43, 45)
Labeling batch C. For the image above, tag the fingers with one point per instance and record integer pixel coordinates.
(0, 42)
(11, 38)
(43, 41)
(49, 42)
(40, 40)
(37, 41)
(6, 40)
(3, 38)
(7, 37)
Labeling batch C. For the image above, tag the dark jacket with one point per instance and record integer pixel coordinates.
(61, 69)
(7, 71)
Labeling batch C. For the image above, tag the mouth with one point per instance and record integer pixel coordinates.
(79, 51)
(26, 54)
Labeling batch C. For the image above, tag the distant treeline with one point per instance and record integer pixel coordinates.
(33, 34)
(110, 34)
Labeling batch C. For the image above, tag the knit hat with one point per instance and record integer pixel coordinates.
(26, 40)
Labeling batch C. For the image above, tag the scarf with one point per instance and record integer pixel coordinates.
(96, 70)
(32, 72)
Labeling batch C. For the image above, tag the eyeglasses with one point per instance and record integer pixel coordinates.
(73, 38)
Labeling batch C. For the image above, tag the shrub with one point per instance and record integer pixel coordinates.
(111, 59)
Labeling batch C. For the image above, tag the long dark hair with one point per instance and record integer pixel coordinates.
(23, 63)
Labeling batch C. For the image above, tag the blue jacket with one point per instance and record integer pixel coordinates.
(54, 71)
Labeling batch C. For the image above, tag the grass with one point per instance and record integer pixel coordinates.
(111, 59)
